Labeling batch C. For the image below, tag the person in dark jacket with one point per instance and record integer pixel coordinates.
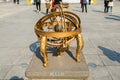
(57, 4)
(84, 5)
(106, 6)
(15, 1)
(38, 5)
(89, 2)
(57, 1)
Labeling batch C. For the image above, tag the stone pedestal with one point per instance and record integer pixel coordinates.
(64, 67)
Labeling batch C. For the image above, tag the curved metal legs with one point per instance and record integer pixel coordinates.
(80, 45)
(43, 43)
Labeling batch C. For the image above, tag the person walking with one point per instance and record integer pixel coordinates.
(53, 3)
(84, 5)
(106, 6)
(16, 1)
(110, 6)
(57, 1)
(89, 2)
(38, 5)
(53, 6)
(81, 3)
(57, 4)
(47, 6)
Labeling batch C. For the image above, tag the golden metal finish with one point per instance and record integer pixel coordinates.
(59, 29)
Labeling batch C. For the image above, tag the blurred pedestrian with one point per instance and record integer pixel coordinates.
(29, 2)
(110, 5)
(57, 1)
(38, 5)
(47, 6)
(16, 1)
(81, 3)
(89, 2)
(84, 5)
(57, 4)
(53, 3)
(106, 6)
(94, 2)
(53, 6)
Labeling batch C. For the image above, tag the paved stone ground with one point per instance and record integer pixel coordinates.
(101, 34)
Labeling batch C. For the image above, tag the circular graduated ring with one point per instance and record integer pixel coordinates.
(71, 23)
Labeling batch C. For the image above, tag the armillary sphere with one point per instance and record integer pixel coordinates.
(59, 29)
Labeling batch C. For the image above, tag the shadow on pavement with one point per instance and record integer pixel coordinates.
(78, 7)
(112, 55)
(98, 11)
(39, 12)
(113, 17)
(35, 48)
(76, 10)
(43, 13)
(35, 11)
(16, 78)
(70, 54)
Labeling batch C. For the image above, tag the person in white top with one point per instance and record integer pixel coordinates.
(110, 5)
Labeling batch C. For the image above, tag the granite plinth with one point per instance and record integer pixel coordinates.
(64, 67)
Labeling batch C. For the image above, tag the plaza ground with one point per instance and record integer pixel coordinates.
(101, 33)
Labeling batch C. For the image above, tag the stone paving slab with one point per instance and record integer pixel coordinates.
(98, 73)
(12, 9)
(114, 72)
(93, 59)
(4, 69)
(111, 60)
(16, 73)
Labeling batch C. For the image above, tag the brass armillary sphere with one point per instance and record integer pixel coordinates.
(59, 29)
